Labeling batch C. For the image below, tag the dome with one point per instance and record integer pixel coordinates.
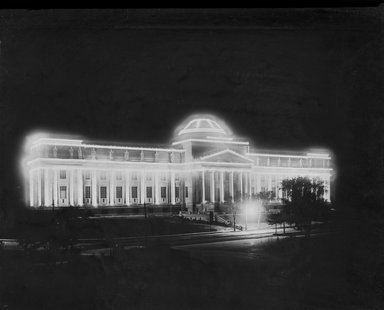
(202, 126)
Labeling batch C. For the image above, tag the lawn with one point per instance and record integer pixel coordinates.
(75, 224)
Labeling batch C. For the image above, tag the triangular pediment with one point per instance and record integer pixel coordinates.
(226, 156)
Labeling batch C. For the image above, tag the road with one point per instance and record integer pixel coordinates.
(177, 241)
(242, 249)
(209, 242)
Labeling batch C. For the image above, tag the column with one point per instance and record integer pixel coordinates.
(241, 185)
(112, 178)
(71, 188)
(47, 187)
(203, 186)
(172, 187)
(328, 187)
(258, 184)
(157, 188)
(269, 183)
(221, 186)
(80, 187)
(277, 178)
(212, 187)
(249, 184)
(142, 189)
(31, 195)
(127, 188)
(154, 193)
(231, 189)
(280, 192)
(39, 187)
(94, 189)
(182, 188)
(245, 183)
(55, 198)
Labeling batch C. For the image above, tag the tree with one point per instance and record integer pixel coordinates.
(303, 202)
(235, 209)
(274, 218)
(264, 198)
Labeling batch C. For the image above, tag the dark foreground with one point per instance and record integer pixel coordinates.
(290, 273)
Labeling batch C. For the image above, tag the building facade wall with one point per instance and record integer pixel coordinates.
(64, 185)
(63, 172)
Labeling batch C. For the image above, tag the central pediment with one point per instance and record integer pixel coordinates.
(226, 156)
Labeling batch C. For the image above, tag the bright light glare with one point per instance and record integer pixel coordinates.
(252, 208)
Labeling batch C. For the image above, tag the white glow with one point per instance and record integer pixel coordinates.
(220, 138)
(210, 141)
(194, 126)
(227, 151)
(52, 141)
(252, 207)
(309, 155)
(318, 155)
(95, 162)
(293, 168)
(99, 146)
(277, 155)
(40, 167)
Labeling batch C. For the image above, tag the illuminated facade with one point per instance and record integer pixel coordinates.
(204, 163)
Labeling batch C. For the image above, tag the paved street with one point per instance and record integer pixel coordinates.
(239, 249)
(179, 241)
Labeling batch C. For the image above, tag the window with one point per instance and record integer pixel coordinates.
(186, 192)
(63, 192)
(149, 192)
(119, 192)
(87, 192)
(87, 175)
(63, 174)
(163, 192)
(134, 192)
(103, 175)
(119, 176)
(103, 192)
(177, 192)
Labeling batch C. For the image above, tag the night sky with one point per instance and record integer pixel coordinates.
(289, 79)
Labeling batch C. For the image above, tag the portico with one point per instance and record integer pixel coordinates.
(221, 186)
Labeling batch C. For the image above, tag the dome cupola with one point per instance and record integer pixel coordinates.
(201, 126)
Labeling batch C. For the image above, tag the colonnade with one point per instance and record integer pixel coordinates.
(248, 183)
(244, 187)
(77, 187)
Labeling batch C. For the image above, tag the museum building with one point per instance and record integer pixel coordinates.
(204, 163)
